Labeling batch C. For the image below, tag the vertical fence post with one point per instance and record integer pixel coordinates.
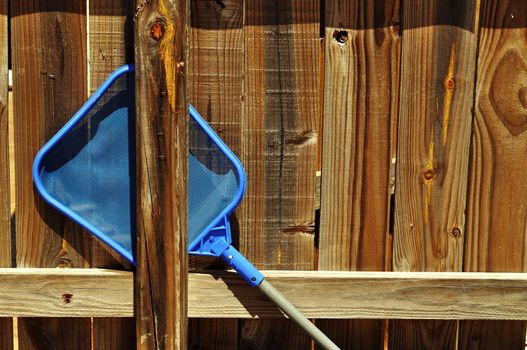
(162, 152)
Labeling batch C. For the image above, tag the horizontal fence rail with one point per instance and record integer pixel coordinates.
(318, 294)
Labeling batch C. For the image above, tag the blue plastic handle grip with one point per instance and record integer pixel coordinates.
(238, 262)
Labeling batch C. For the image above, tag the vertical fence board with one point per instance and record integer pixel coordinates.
(6, 333)
(162, 156)
(213, 334)
(215, 79)
(5, 199)
(437, 82)
(279, 148)
(114, 333)
(49, 85)
(361, 87)
(497, 209)
(6, 324)
(111, 43)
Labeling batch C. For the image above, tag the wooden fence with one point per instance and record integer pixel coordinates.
(376, 135)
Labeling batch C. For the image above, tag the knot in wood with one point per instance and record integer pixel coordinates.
(428, 174)
(157, 30)
(450, 84)
(455, 232)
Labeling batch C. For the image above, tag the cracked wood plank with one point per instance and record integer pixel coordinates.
(162, 156)
(279, 149)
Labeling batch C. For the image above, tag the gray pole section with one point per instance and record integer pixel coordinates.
(293, 313)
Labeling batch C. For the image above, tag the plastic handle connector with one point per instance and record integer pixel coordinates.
(238, 262)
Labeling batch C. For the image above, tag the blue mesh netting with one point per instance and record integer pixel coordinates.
(91, 171)
(212, 181)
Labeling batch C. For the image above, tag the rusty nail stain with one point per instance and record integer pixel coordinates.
(428, 174)
(341, 36)
(456, 232)
(66, 298)
(157, 31)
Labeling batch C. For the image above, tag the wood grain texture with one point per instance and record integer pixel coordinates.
(346, 295)
(6, 333)
(213, 334)
(279, 147)
(162, 156)
(279, 141)
(110, 45)
(65, 293)
(6, 324)
(114, 333)
(58, 333)
(5, 198)
(215, 80)
(365, 295)
(110, 29)
(438, 61)
(360, 100)
(49, 85)
(497, 210)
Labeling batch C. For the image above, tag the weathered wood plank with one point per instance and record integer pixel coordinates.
(52, 333)
(216, 66)
(6, 333)
(221, 294)
(49, 85)
(360, 100)
(437, 81)
(114, 333)
(6, 324)
(66, 293)
(110, 45)
(497, 210)
(110, 38)
(213, 333)
(215, 79)
(279, 147)
(162, 156)
(280, 123)
(372, 295)
(5, 197)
